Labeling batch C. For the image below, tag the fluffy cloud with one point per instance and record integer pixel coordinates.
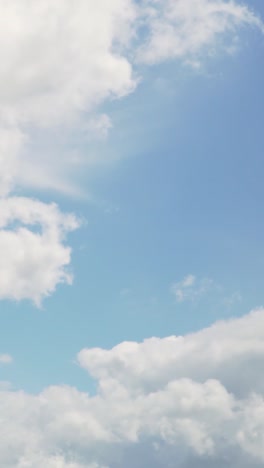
(60, 61)
(210, 353)
(73, 57)
(69, 60)
(34, 258)
(195, 400)
(68, 57)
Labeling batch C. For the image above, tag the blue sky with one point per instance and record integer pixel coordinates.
(169, 199)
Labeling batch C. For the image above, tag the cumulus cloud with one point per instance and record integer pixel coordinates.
(66, 61)
(60, 61)
(195, 400)
(34, 258)
(211, 353)
(70, 59)
(73, 57)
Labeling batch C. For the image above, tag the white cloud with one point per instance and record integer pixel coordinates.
(210, 353)
(184, 29)
(5, 359)
(72, 57)
(12, 142)
(60, 61)
(195, 400)
(67, 60)
(34, 258)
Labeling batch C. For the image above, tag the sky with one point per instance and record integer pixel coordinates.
(131, 234)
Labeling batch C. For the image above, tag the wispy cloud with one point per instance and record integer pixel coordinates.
(191, 288)
(186, 29)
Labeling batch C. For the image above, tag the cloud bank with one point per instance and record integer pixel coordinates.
(195, 400)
